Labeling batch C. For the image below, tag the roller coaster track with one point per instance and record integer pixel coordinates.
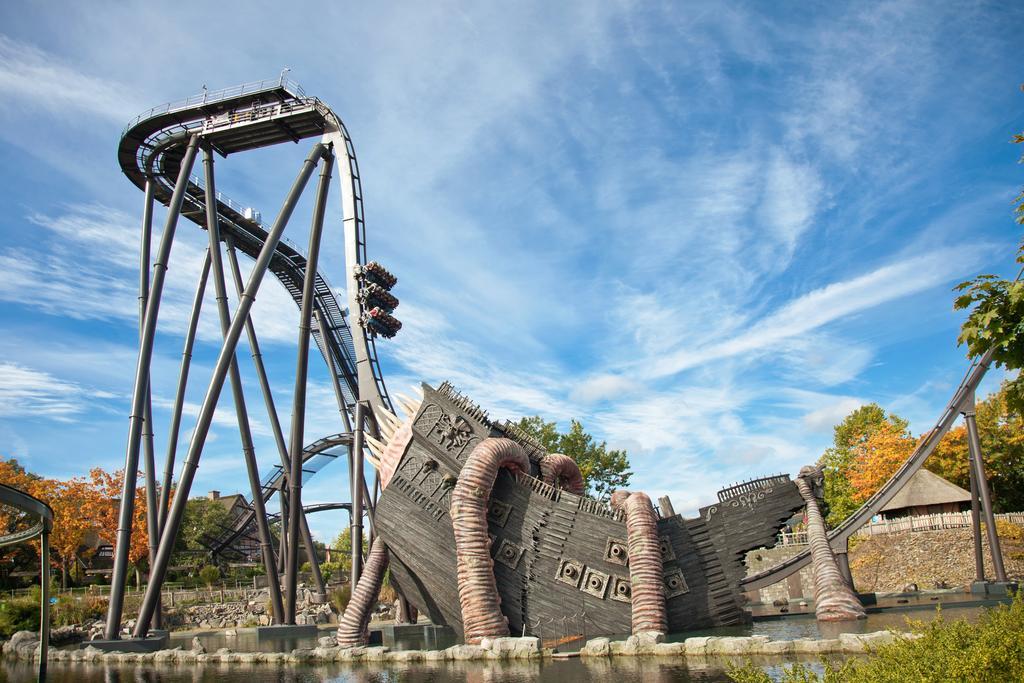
(247, 117)
(839, 536)
(314, 458)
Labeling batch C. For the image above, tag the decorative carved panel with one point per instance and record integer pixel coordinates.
(509, 553)
(615, 551)
(570, 572)
(451, 432)
(675, 584)
(595, 583)
(622, 589)
(667, 552)
(498, 512)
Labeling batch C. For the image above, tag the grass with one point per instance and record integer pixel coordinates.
(990, 651)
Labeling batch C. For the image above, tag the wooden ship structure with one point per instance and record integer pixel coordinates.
(560, 560)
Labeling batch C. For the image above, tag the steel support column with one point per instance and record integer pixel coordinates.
(238, 395)
(979, 558)
(44, 600)
(205, 418)
(179, 395)
(974, 446)
(149, 460)
(299, 397)
(139, 393)
(357, 486)
(275, 426)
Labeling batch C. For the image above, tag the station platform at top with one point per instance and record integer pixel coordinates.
(235, 119)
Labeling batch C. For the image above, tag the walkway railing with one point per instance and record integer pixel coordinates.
(944, 520)
(935, 522)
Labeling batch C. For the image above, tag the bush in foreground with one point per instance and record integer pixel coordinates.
(990, 650)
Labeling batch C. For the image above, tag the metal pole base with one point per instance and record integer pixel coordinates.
(158, 640)
(994, 588)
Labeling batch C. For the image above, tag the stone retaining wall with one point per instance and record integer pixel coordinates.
(25, 645)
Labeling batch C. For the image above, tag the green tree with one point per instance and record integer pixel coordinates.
(341, 549)
(1001, 432)
(856, 428)
(203, 519)
(603, 470)
(996, 318)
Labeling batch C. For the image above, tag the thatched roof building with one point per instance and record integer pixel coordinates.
(926, 494)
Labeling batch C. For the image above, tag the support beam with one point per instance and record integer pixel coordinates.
(974, 446)
(179, 395)
(979, 558)
(139, 392)
(272, 417)
(358, 486)
(44, 599)
(299, 396)
(205, 418)
(238, 395)
(148, 458)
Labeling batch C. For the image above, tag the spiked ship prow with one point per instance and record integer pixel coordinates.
(560, 560)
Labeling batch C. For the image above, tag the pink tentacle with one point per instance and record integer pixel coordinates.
(561, 470)
(645, 565)
(352, 630)
(478, 590)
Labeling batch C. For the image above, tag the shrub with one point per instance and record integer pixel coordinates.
(991, 650)
(209, 574)
(19, 614)
(340, 597)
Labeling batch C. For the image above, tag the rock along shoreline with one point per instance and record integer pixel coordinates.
(25, 645)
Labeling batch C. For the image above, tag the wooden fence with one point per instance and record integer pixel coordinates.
(943, 520)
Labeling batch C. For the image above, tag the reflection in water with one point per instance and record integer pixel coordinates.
(626, 670)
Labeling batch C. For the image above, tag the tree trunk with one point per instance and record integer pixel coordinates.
(834, 599)
(63, 574)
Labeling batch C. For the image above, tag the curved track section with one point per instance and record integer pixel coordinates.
(871, 507)
(315, 457)
(248, 117)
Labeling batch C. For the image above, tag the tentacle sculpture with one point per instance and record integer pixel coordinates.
(478, 590)
(352, 630)
(562, 471)
(834, 600)
(645, 566)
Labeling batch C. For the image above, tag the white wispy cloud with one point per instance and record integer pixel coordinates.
(32, 77)
(29, 393)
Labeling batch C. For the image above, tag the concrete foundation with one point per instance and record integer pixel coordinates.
(996, 588)
(157, 640)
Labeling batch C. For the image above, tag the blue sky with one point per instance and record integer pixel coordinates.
(707, 230)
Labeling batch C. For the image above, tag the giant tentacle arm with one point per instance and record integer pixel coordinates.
(561, 470)
(645, 565)
(478, 590)
(834, 600)
(352, 630)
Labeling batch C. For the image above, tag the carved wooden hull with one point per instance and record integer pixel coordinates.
(560, 559)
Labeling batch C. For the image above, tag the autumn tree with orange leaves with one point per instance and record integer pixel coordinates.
(877, 457)
(85, 515)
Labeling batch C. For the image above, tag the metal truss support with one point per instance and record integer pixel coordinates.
(974, 448)
(179, 395)
(238, 395)
(275, 426)
(209, 405)
(139, 393)
(299, 397)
